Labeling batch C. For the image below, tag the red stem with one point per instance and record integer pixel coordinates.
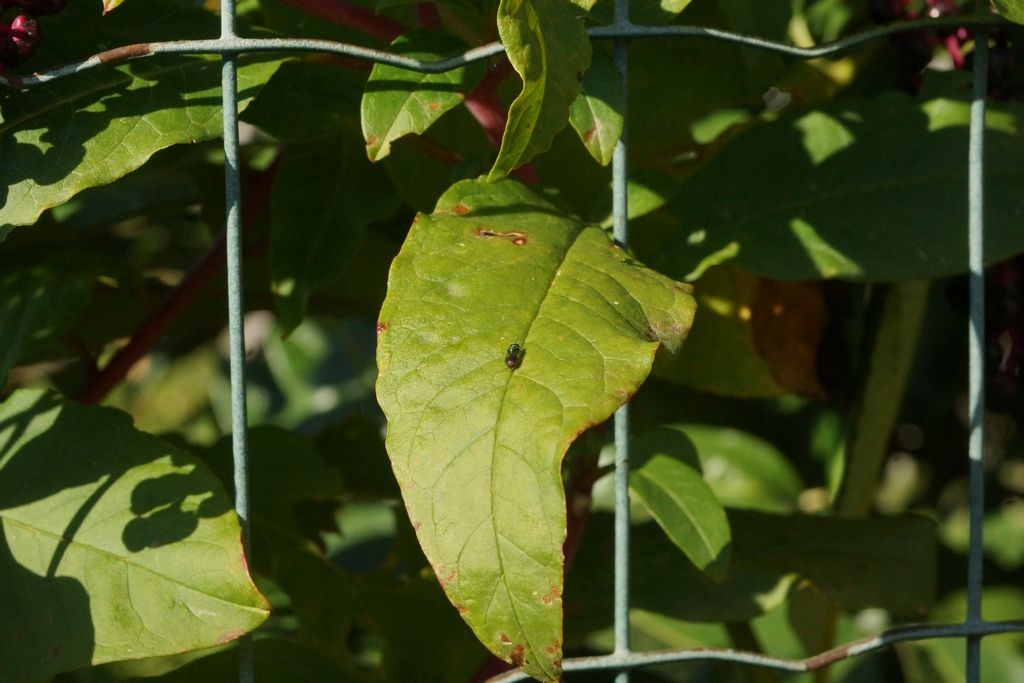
(180, 299)
(427, 16)
(352, 16)
(483, 103)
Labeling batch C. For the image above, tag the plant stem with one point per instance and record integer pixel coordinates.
(882, 396)
(427, 16)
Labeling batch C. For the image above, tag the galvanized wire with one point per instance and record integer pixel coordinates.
(238, 45)
(620, 231)
(230, 46)
(236, 309)
(976, 345)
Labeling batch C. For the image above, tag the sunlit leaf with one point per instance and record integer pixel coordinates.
(666, 479)
(550, 51)
(597, 112)
(115, 544)
(91, 128)
(397, 102)
(476, 433)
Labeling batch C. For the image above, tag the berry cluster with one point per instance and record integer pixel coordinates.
(19, 38)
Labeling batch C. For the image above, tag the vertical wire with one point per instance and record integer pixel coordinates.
(620, 178)
(976, 388)
(236, 309)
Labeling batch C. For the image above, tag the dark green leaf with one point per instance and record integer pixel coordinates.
(38, 304)
(276, 660)
(307, 100)
(821, 195)
(324, 197)
(886, 562)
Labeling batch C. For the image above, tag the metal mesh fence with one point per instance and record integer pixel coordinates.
(230, 45)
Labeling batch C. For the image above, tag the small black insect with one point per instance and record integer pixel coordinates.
(514, 356)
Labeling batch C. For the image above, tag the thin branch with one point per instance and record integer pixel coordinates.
(180, 299)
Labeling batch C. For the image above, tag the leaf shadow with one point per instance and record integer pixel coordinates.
(59, 463)
(46, 129)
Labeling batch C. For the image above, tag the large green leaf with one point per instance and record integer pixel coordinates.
(398, 101)
(477, 445)
(324, 196)
(550, 51)
(866, 190)
(667, 481)
(1011, 9)
(116, 545)
(89, 129)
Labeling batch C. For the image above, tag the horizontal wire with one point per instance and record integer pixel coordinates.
(634, 660)
(624, 30)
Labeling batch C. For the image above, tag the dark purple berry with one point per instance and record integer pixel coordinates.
(18, 40)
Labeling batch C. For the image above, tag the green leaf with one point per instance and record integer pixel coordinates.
(324, 197)
(131, 542)
(476, 445)
(398, 101)
(597, 112)
(1011, 9)
(886, 562)
(743, 470)
(830, 201)
(91, 128)
(306, 100)
(550, 51)
(39, 303)
(109, 5)
(668, 482)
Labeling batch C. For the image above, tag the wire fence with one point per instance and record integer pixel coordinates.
(230, 45)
